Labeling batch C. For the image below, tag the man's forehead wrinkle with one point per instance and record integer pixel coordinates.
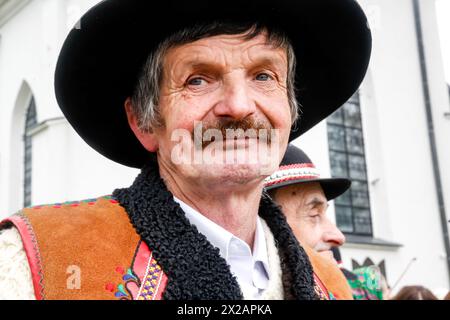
(304, 194)
(228, 51)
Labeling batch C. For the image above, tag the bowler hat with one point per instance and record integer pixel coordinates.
(297, 168)
(103, 56)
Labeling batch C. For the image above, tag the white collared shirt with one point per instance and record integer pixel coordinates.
(250, 269)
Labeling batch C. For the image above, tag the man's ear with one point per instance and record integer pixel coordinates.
(147, 139)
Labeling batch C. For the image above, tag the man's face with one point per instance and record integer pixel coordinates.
(305, 207)
(217, 80)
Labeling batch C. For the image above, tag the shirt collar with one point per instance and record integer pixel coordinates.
(259, 245)
(221, 238)
(215, 234)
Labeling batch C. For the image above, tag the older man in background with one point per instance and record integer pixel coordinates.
(303, 197)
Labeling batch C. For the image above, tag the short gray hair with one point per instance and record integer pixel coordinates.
(145, 98)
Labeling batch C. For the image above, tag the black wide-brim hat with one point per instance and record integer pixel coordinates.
(103, 55)
(297, 168)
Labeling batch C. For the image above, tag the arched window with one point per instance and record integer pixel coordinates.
(30, 123)
(348, 159)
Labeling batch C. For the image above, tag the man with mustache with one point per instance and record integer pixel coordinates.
(134, 88)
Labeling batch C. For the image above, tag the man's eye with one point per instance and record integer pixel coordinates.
(196, 81)
(263, 77)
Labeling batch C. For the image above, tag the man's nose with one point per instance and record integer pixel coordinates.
(333, 235)
(235, 102)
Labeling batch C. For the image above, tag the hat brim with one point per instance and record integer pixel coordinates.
(102, 57)
(332, 187)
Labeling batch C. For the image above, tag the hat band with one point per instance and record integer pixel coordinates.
(303, 171)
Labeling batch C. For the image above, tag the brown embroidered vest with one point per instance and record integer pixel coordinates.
(89, 250)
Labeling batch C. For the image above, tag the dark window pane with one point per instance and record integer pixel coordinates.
(27, 200)
(344, 218)
(336, 137)
(337, 117)
(355, 143)
(347, 159)
(338, 162)
(352, 115)
(344, 199)
(31, 119)
(30, 122)
(362, 221)
(357, 167)
(360, 194)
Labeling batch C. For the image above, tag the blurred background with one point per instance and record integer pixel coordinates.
(391, 138)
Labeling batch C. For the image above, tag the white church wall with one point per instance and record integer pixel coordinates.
(71, 170)
(439, 94)
(402, 191)
(65, 168)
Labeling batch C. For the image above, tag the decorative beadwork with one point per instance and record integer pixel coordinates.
(75, 203)
(151, 281)
(320, 293)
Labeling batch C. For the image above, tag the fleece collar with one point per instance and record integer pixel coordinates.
(194, 268)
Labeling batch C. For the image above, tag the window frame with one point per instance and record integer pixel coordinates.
(30, 124)
(342, 125)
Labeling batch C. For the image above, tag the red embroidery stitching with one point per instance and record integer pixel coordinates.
(291, 178)
(297, 166)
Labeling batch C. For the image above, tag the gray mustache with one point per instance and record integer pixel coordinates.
(246, 128)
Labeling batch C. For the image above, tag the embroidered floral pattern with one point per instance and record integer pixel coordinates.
(128, 289)
(139, 285)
